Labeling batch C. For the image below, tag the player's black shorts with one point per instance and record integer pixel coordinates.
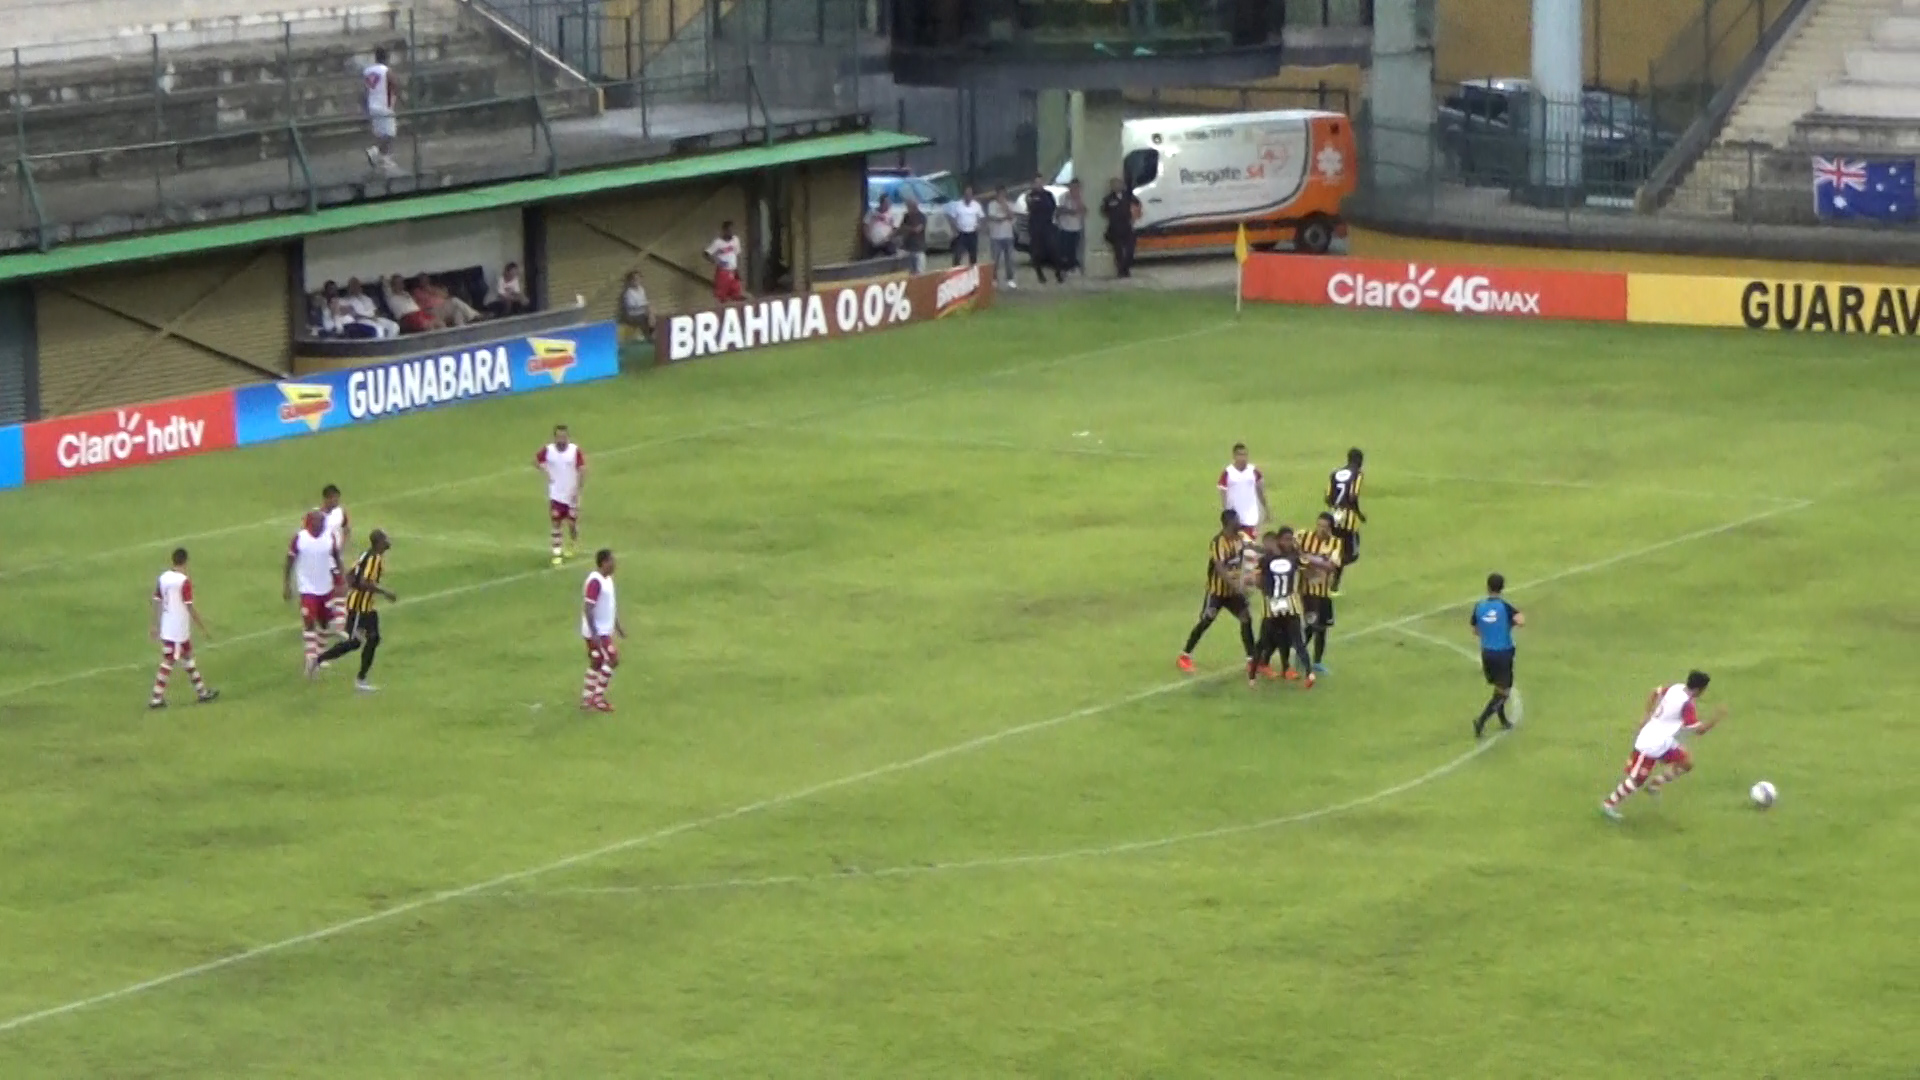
(1349, 546)
(1318, 610)
(1498, 667)
(364, 625)
(1213, 605)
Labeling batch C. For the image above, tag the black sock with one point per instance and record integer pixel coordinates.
(1199, 631)
(1336, 578)
(1319, 643)
(339, 651)
(366, 658)
(1493, 706)
(1246, 638)
(1502, 712)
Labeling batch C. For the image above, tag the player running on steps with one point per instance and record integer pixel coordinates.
(342, 532)
(174, 619)
(363, 620)
(1343, 501)
(1671, 716)
(1321, 549)
(313, 564)
(1494, 621)
(600, 626)
(566, 467)
(1281, 568)
(1226, 590)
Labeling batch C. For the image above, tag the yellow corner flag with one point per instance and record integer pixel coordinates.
(1240, 259)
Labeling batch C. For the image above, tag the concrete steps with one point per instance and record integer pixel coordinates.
(231, 102)
(1814, 55)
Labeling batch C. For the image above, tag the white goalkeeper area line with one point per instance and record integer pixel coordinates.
(290, 520)
(980, 742)
(1049, 858)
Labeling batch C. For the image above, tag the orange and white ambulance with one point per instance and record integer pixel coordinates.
(1286, 174)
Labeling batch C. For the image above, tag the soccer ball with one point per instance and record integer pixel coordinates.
(1762, 794)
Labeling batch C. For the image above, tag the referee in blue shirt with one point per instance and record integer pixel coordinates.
(1493, 623)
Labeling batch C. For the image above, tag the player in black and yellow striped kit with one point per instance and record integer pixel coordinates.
(1321, 547)
(1343, 502)
(1226, 590)
(1282, 569)
(363, 620)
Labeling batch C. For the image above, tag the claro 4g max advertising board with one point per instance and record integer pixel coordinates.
(1380, 285)
(163, 430)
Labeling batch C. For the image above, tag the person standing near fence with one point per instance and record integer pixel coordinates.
(381, 97)
(1071, 223)
(1000, 235)
(913, 235)
(1121, 209)
(965, 215)
(1040, 231)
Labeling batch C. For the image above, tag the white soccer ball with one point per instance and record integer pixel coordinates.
(1763, 794)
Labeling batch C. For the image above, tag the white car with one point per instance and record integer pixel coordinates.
(928, 191)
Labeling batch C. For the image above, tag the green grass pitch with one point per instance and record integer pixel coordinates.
(903, 782)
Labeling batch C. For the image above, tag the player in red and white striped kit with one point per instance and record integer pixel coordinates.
(1671, 715)
(566, 467)
(342, 532)
(174, 618)
(600, 626)
(313, 564)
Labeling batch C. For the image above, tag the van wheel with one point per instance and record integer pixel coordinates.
(1314, 236)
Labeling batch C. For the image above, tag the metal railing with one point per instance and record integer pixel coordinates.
(1747, 197)
(276, 124)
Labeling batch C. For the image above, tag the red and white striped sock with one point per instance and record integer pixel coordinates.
(1626, 788)
(160, 682)
(337, 617)
(590, 689)
(310, 641)
(193, 672)
(1662, 779)
(606, 680)
(556, 541)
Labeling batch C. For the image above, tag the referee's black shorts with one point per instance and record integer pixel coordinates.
(1498, 668)
(364, 625)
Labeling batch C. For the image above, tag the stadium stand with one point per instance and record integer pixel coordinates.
(1843, 79)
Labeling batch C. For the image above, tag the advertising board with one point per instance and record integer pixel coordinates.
(13, 457)
(327, 400)
(1818, 307)
(1373, 284)
(130, 435)
(828, 312)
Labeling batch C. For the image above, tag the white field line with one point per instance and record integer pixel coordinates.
(980, 742)
(290, 518)
(1006, 862)
(1011, 446)
(291, 625)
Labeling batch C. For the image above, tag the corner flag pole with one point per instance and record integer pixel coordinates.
(1240, 273)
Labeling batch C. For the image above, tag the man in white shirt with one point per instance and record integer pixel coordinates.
(380, 99)
(724, 254)
(364, 309)
(636, 310)
(566, 467)
(880, 228)
(313, 564)
(174, 619)
(966, 215)
(1244, 491)
(600, 625)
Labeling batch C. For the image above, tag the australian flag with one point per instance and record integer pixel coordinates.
(1848, 189)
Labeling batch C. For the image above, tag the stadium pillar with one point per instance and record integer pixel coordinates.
(1555, 170)
(1051, 122)
(1097, 119)
(1399, 150)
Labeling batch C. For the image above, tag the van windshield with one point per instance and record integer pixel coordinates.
(1142, 167)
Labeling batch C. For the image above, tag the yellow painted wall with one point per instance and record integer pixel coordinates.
(1479, 38)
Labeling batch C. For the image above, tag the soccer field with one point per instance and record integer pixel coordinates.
(903, 780)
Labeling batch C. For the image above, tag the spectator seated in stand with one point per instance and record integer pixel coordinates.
(330, 315)
(403, 308)
(444, 310)
(508, 297)
(367, 309)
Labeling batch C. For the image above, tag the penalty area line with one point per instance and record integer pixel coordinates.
(1103, 851)
(446, 896)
